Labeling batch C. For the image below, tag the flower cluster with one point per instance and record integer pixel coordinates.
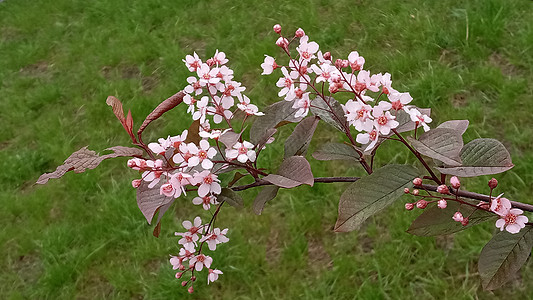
(301, 78)
(510, 218)
(196, 235)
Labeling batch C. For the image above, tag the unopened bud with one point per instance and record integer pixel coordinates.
(409, 206)
(443, 189)
(345, 63)
(193, 278)
(454, 181)
(277, 28)
(136, 183)
(182, 267)
(179, 274)
(464, 222)
(282, 42)
(458, 217)
(303, 70)
(338, 63)
(406, 190)
(333, 89)
(416, 192)
(493, 183)
(327, 56)
(210, 62)
(299, 33)
(421, 204)
(417, 181)
(442, 204)
(190, 290)
(184, 283)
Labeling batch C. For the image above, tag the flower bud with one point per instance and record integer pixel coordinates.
(345, 63)
(190, 290)
(338, 63)
(442, 204)
(406, 190)
(277, 28)
(493, 183)
(303, 70)
(333, 89)
(184, 283)
(131, 163)
(458, 217)
(464, 222)
(136, 183)
(210, 62)
(178, 275)
(454, 181)
(282, 42)
(421, 204)
(193, 278)
(443, 189)
(409, 206)
(417, 181)
(299, 33)
(416, 192)
(327, 56)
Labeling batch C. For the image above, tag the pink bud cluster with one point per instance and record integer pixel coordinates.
(196, 235)
(310, 67)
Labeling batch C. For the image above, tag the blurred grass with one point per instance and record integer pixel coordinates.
(83, 236)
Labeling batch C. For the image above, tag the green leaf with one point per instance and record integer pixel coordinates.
(322, 108)
(481, 157)
(266, 194)
(336, 151)
(443, 144)
(503, 256)
(457, 125)
(298, 141)
(230, 197)
(294, 171)
(279, 112)
(370, 194)
(435, 221)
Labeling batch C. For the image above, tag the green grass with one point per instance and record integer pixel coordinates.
(83, 236)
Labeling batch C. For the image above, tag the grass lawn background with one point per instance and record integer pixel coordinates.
(83, 236)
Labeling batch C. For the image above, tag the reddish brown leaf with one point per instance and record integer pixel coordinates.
(163, 107)
(129, 124)
(294, 171)
(229, 138)
(84, 159)
(236, 177)
(150, 201)
(299, 140)
(266, 194)
(116, 105)
(193, 135)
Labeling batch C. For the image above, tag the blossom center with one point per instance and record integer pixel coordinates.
(288, 82)
(202, 154)
(243, 150)
(510, 219)
(397, 105)
(208, 180)
(382, 120)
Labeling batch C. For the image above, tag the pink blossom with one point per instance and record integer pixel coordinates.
(299, 33)
(215, 238)
(207, 75)
(178, 181)
(500, 205)
(493, 183)
(206, 201)
(192, 62)
(199, 261)
(356, 61)
(242, 152)
(213, 275)
(194, 86)
(202, 109)
(358, 115)
(303, 104)
(287, 84)
(409, 206)
(213, 134)
(325, 72)
(419, 118)
(443, 189)
(205, 154)
(421, 204)
(136, 183)
(399, 100)
(154, 175)
(188, 241)
(417, 181)
(512, 220)
(370, 138)
(277, 28)
(209, 182)
(268, 65)
(383, 120)
(307, 50)
(219, 58)
(386, 84)
(167, 190)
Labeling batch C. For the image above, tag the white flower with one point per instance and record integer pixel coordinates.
(213, 275)
(356, 61)
(205, 154)
(358, 115)
(370, 138)
(194, 86)
(268, 65)
(307, 50)
(192, 62)
(419, 118)
(383, 120)
(206, 201)
(220, 58)
(513, 221)
(178, 181)
(325, 72)
(215, 238)
(207, 75)
(199, 261)
(302, 105)
(202, 109)
(242, 152)
(287, 84)
(399, 100)
(209, 183)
